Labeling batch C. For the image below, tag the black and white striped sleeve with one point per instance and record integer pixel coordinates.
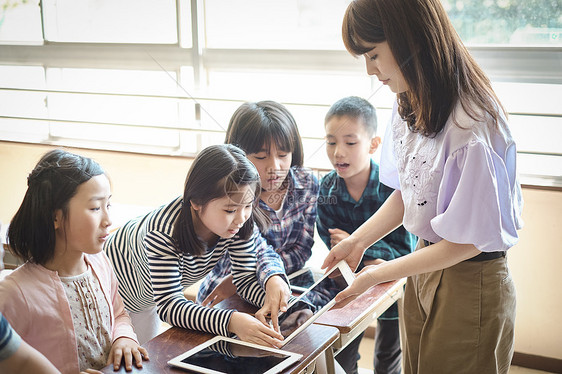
(172, 306)
(243, 257)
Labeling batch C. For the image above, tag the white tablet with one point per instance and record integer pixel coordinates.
(314, 300)
(222, 355)
(302, 279)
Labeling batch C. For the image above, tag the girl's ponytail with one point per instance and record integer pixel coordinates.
(184, 234)
(33, 224)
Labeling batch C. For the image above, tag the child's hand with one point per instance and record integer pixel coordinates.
(336, 236)
(125, 348)
(91, 371)
(225, 289)
(277, 295)
(249, 329)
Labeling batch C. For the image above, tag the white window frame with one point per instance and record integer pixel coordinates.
(501, 63)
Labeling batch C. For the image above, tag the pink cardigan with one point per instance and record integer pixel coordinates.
(33, 300)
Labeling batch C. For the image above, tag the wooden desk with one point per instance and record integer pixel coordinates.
(353, 315)
(311, 343)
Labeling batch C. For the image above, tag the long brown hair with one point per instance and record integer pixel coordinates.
(436, 65)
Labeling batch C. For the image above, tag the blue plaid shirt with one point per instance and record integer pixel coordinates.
(337, 209)
(292, 235)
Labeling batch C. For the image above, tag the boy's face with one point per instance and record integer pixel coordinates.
(349, 146)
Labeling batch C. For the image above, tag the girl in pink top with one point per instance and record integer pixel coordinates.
(451, 159)
(63, 301)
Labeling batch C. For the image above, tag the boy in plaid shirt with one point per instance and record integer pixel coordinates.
(348, 196)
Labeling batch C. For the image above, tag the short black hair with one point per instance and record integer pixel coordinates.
(355, 107)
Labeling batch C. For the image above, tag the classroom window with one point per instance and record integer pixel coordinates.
(20, 21)
(233, 24)
(165, 77)
(123, 21)
(508, 22)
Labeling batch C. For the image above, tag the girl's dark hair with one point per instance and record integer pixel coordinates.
(436, 65)
(255, 125)
(217, 171)
(50, 186)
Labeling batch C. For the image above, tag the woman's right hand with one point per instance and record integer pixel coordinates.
(347, 249)
(250, 329)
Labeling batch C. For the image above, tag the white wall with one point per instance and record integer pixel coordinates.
(535, 263)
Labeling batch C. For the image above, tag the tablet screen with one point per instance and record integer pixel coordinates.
(252, 360)
(324, 290)
(304, 278)
(315, 300)
(226, 355)
(296, 316)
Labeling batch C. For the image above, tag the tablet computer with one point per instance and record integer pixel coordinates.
(222, 355)
(314, 300)
(302, 279)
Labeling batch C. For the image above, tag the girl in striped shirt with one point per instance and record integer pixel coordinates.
(158, 255)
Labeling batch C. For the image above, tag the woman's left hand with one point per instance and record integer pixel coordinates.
(127, 349)
(277, 295)
(364, 280)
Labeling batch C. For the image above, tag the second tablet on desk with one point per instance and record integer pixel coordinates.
(314, 300)
(226, 355)
(222, 355)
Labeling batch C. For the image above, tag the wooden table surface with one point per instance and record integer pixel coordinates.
(351, 312)
(347, 314)
(351, 316)
(341, 323)
(311, 342)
